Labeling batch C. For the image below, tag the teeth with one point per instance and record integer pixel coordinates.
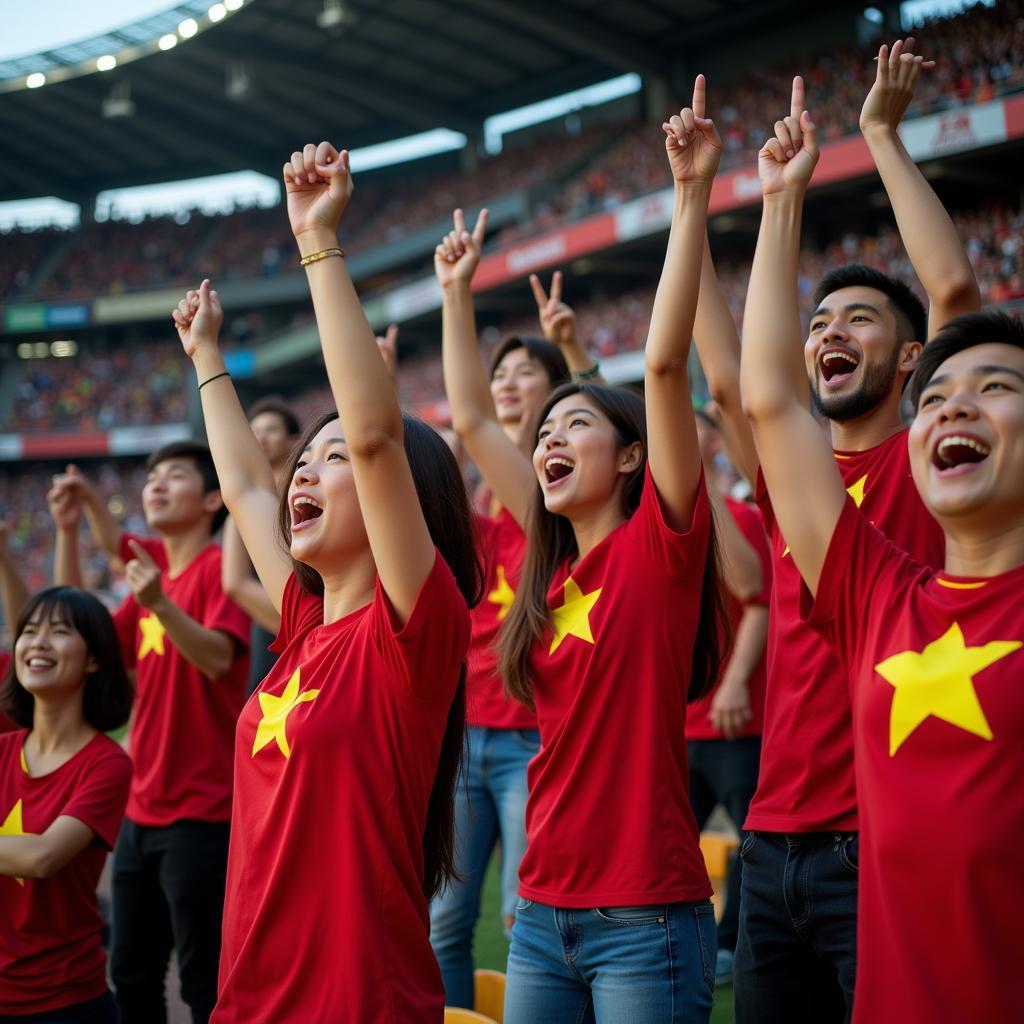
(39, 663)
(557, 460)
(962, 441)
(303, 500)
(830, 357)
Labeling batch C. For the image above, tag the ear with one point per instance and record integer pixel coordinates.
(91, 665)
(212, 502)
(909, 353)
(631, 457)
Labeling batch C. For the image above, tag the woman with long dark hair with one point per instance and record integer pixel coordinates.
(347, 753)
(63, 790)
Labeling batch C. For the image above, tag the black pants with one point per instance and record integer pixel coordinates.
(102, 1010)
(725, 772)
(797, 951)
(168, 892)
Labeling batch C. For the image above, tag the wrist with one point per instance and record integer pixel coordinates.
(695, 189)
(207, 361)
(316, 239)
(878, 131)
(458, 286)
(158, 605)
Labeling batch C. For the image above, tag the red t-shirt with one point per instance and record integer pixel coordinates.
(501, 544)
(806, 781)
(183, 725)
(698, 722)
(51, 953)
(335, 758)
(936, 665)
(608, 819)
(7, 724)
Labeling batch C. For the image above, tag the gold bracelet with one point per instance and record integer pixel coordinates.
(316, 257)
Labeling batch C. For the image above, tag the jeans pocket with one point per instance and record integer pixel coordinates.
(849, 854)
(522, 905)
(528, 738)
(747, 844)
(707, 934)
(631, 916)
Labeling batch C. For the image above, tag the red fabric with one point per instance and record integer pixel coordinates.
(325, 918)
(936, 664)
(7, 724)
(501, 543)
(806, 781)
(50, 950)
(698, 724)
(183, 724)
(608, 820)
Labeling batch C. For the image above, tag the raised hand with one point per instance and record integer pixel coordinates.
(143, 576)
(198, 319)
(896, 78)
(692, 142)
(318, 186)
(787, 160)
(387, 345)
(730, 708)
(65, 503)
(557, 319)
(457, 255)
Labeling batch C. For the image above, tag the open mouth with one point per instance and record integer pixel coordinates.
(557, 468)
(305, 510)
(40, 664)
(837, 365)
(958, 451)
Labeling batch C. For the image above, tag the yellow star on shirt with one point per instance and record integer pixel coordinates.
(275, 715)
(152, 636)
(855, 491)
(573, 617)
(939, 681)
(502, 595)
(12, 826)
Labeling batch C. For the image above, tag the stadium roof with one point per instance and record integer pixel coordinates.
(371, 71)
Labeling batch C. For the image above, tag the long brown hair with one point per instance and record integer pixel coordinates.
(445, 505)
(550, 541)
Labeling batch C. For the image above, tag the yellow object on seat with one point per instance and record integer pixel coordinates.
(489, 993)
(717, 848)
(457, 1015)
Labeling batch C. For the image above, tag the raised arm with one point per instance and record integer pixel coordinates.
(558, 325)
(105, 528)
(66, 512)
(931, 240)
(237, 581)
(741, 564)
(718, 346)
(803, 482)
(247, 482)
(318, 185)
(13, 594)
(694, 149)
(506, 469)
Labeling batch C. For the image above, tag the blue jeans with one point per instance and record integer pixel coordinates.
(725, 772)
(490, 803)
(797, 952)
(611, 965)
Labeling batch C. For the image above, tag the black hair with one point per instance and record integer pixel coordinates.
(911, 316)
(108, 696)
(279, 407)
(963, 332)
(544, 352)
(199, 455)
(445, 504)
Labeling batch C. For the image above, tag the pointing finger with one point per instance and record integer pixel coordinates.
(699, 95)
(797, 101)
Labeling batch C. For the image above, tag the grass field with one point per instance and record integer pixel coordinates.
(491, 949)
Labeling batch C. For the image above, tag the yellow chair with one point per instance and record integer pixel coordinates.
(489, 993)
(457, 1015)
(717, 848)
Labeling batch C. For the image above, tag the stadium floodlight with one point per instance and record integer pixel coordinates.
(335, 16)
(233, 5)
(188, 28)
(119, 102)
(168, 42)
(35, 80)
(218, 12)
(106, 63)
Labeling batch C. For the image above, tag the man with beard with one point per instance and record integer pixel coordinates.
(796, 951)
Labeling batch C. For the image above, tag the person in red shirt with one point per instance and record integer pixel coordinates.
(63, 789)
(796, 957)
(357, 731)
(187, 642)
(723, 729)
(502, 734)
(613, 627)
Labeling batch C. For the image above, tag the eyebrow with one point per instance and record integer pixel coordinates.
(570, 412)
(979, 371)
(328, 442)
(848, 308)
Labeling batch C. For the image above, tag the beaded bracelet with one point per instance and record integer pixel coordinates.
(316, 257)
(590, 374)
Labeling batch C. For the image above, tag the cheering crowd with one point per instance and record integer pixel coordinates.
(580, 663)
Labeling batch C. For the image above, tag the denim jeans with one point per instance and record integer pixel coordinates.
(611, 965)
(490, 803)
(725, 772)
(797, 952)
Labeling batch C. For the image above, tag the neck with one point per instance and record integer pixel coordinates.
(182, 548)
(985, 552)
(58, 726)
(592, 528)
(350, 589)
(869, 430)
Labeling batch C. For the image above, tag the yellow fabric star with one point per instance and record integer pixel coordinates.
(275, 715)
(939, 681)
(855, 491)
(573, 617)
(12, 826)
(152, 636)
(502, 594)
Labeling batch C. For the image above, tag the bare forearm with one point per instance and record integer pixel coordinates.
(210, 650)
(578, 359)
(465, 382)
(67, 566)
(749, 644)
(13, 593)
(741, 566)
(105, 528)
(251, 597)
